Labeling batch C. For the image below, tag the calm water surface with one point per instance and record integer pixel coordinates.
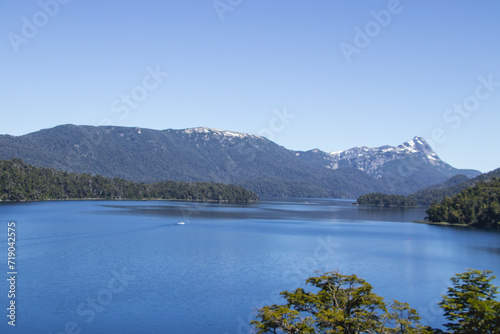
(129, 267)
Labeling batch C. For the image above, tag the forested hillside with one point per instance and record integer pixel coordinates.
(475, 206)
(22, 182)
(386, 200)
(211, 155)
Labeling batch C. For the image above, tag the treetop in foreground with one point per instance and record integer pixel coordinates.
(346, 304)
(342, 304)
(470, 304)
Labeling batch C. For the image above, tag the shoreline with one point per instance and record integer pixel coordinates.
(440, 223)
(130, 199)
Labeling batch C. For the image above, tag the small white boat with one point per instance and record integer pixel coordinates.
(181, 223)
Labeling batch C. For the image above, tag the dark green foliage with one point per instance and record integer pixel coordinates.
(475, 206)
(22, 182)
(470, 305)
(385, 200)
(346, 305)
(338, 304)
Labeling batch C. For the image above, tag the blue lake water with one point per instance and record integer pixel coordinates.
(128, 267)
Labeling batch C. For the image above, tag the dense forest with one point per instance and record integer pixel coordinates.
(22, 182)
(386, 200)
(478, 205)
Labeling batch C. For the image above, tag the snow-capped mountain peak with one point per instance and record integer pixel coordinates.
(372, 159)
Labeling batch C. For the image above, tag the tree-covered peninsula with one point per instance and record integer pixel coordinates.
(386, 200)
(477, 206)
(23, 182)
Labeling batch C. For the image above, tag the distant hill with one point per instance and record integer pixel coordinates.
(210, 155)
(451, 187)
(428, 195)
(22, 182)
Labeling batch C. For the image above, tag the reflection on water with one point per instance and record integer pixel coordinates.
(307, 209)
(208, 274)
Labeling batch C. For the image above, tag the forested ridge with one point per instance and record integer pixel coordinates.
(211, 155)
(478, 205)
(22, 182)
(386, 200)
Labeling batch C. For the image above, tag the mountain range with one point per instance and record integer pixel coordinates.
(211, 155)
(405, 168)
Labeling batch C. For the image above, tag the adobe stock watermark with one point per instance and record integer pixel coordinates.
(92, 138)
(322, 255)
(280, 120)
(223, 6)
(193, 209)
(320, 260)
(31, 26)
(88, 309)
(278, 123)
(454, 118)
(371, 30)
(433, 311)
(137, 94)
(456, 114)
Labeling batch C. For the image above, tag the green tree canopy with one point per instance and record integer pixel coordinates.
(346, 304)
(386, 200)
(470, 304)
(337, 304)
(475, 206)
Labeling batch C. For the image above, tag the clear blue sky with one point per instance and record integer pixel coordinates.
(237, 66)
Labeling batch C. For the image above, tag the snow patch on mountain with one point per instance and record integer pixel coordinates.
(224, 133)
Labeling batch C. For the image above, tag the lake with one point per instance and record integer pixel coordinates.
(129, 267)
